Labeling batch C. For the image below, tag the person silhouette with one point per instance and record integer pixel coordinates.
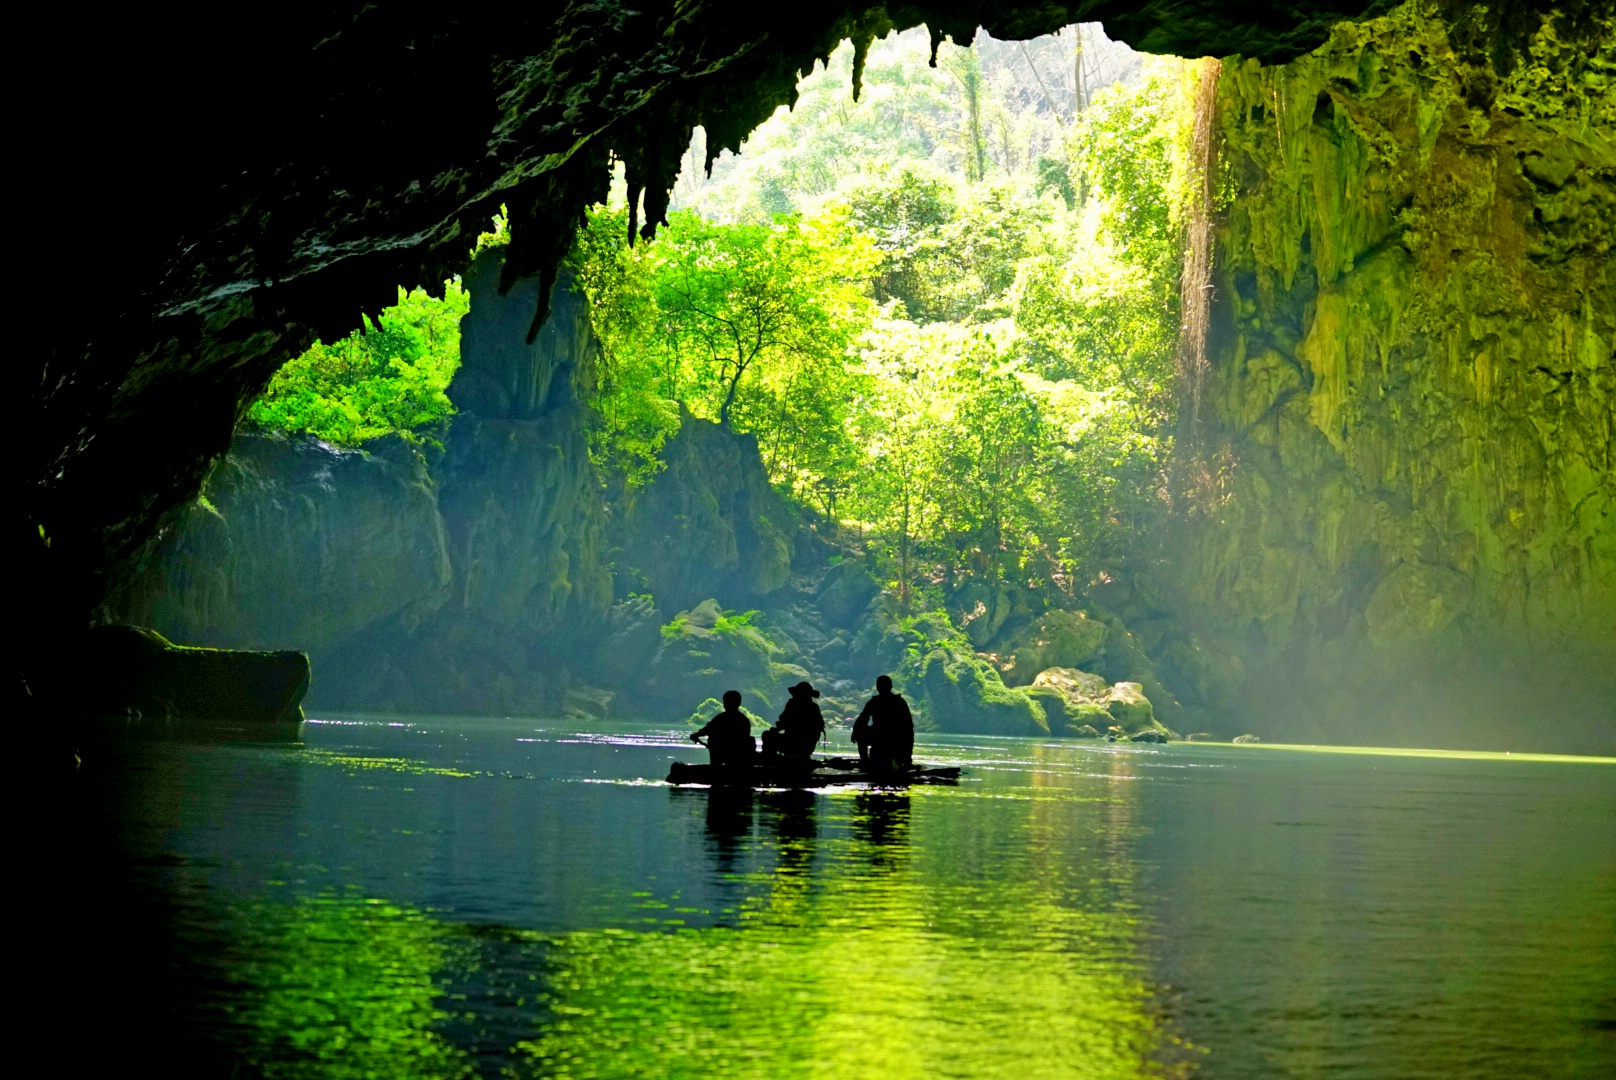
(800, 727)
(729, 734)
(885, 730)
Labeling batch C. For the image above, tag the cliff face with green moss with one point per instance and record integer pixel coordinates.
(1403, 519)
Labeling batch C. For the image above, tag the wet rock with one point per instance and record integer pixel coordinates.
(951, 689)
(1242, 740)
(1200, 736)
(1148, 737)
(1087, 731)
(134, 671)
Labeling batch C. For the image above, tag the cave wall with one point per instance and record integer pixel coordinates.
(296, 544)
(1404, 529)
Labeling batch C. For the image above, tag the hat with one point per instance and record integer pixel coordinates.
(804, 687)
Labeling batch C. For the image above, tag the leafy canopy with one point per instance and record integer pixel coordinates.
(389, 378)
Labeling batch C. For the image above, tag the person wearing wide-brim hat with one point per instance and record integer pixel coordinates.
(800, 726)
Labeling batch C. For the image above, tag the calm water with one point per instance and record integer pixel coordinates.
(457, 897)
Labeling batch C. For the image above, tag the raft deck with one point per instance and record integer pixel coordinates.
(821, 773)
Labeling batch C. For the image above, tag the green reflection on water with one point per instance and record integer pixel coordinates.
(872, 963)
(347, 987)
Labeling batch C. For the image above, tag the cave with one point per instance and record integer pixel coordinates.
(1308, 771)
(270, 186)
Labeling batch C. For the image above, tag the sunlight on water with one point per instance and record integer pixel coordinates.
(505, 898)
(1455, 755)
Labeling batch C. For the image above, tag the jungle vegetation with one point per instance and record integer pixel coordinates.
(948, 312)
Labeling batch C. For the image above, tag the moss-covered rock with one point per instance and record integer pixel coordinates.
(1088, 700)
(954, 690)
(1129, 708)
(1411, 389)
(1055, 639)
(706, 651)
(134, 671)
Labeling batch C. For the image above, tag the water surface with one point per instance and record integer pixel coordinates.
(447, 897)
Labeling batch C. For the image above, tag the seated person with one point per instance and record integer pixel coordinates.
(885, 730)
(729, 734)
(800, 727)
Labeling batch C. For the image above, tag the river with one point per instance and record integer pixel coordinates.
(438, 897)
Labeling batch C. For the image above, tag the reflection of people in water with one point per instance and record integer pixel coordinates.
(729, 734)
(800, 727)
(881, 827)
(885, 730)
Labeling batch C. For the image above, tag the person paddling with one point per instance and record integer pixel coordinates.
(885, 730)
(729, 734)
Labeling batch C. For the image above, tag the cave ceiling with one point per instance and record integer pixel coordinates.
(214, 188)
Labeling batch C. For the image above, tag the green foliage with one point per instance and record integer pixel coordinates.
(752, 326)
(674, 628)
(389, 378)
(731, 622)
(1004, 416)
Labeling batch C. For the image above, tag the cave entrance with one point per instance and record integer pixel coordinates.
(945, 308)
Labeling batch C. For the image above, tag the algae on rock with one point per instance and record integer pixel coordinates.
(1414, 389)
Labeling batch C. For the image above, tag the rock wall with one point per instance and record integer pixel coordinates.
(1404, 527)
(709, 524)
(297, 544)
(457, 585)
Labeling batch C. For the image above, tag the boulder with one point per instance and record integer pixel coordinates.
(844, 592)
(1148, 737)
(705, 651)
(1056, 639)
(1243, 740)
(1081, 696)
(954, 690)
(1078, 687)
(1088, 699)
(1128, 706)
(134, 671)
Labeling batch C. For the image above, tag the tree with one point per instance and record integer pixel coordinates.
(389, 378)
(752, 326)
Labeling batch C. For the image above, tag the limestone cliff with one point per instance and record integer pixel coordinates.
(1405, 526)
(459, 586)
(709, 524)
(296, 543)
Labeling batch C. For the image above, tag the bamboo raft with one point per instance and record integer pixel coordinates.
(822, 772)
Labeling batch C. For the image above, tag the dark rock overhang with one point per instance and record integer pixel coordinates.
(212, 192)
